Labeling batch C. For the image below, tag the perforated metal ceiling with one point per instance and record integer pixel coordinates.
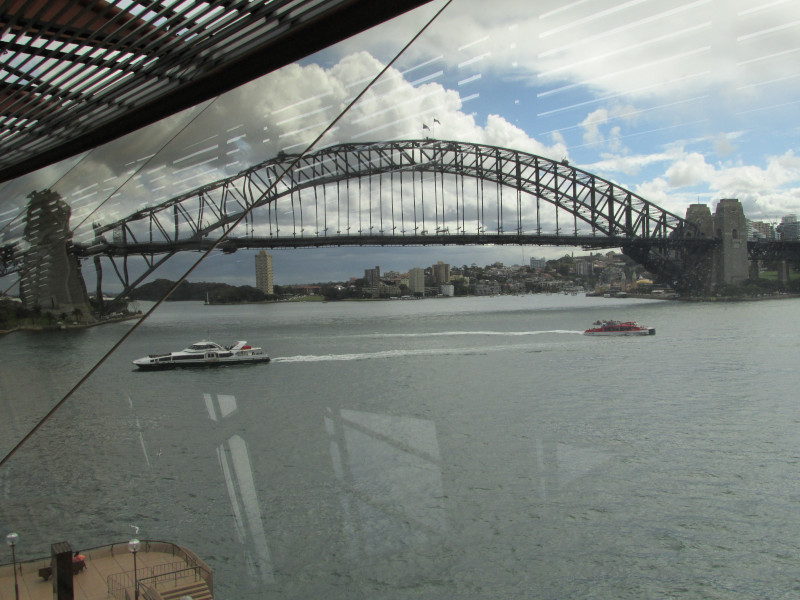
(78, 73)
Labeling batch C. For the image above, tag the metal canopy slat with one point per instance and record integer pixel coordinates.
(160, 60)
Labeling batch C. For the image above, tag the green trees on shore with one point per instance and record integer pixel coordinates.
(215, 293)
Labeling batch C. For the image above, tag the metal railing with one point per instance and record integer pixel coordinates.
(194, 573)
(120, 586)
(122, 581)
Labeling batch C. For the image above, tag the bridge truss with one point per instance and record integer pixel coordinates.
(409, 192)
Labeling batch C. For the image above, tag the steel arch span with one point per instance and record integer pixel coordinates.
(414, 188)
(407, 192)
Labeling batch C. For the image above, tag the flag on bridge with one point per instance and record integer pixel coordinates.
(424, 127)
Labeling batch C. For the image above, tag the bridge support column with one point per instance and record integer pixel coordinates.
(783, 271)
(753, 269)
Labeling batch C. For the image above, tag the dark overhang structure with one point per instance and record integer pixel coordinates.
(78, 73)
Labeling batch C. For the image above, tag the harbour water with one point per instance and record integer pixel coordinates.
(448, 448)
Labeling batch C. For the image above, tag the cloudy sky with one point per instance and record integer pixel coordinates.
(680, 101)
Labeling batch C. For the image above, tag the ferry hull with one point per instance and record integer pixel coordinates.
(619, 333)
(196, 364)
(617, 328)
(204, 354)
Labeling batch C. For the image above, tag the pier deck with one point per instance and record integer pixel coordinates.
(154, 558)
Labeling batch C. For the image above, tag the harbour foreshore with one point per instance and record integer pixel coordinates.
(109, 572)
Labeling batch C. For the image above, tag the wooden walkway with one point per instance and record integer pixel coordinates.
(101, 563)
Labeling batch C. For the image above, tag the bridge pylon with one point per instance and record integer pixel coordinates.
(50, 275)
(725, 262)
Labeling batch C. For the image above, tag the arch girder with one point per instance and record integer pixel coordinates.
(604, 206)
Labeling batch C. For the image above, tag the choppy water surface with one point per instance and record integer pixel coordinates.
(453, 448)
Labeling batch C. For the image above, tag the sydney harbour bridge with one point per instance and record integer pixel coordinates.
(398, 193)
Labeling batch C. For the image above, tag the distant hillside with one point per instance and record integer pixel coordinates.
(217, 293)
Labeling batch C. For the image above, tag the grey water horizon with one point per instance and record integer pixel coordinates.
(475, 448)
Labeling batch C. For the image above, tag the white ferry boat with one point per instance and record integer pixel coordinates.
(204, 354)
(610, 327)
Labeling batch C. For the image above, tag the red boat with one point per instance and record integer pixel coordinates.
(619, 328)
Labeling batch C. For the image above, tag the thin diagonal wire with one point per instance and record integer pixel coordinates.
(291, 166)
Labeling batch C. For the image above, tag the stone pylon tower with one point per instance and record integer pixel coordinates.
(727, 263)
(730, 226)
(699, 267)
(50, 276)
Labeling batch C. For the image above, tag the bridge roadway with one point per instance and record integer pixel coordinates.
(232, 244)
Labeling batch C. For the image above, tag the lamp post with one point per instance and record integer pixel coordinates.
(134, 546)
(11, 540)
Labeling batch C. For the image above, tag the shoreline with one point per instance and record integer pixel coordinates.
(629, 296)
(65, 327)
(80, 326)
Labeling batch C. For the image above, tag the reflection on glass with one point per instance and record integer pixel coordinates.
(235, 463)
(389, 468)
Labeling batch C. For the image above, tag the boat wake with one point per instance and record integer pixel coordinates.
(384, 354)
(462, 333)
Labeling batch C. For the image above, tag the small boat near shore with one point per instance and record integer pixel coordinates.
(610, 327)
(204, 354)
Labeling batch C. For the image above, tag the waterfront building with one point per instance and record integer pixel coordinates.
(416, 281)
(538, 263)
(265, 278)
(485, 288)
(391, 290)
(447, 289)
(431, 291)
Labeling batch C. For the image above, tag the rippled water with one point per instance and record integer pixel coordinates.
(470, 448)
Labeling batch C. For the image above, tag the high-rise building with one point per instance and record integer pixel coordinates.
(372, 276)
(265, 279)
(789, 228)
(416, 281)
(441, 273)
(584, 265)
(760, 230)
